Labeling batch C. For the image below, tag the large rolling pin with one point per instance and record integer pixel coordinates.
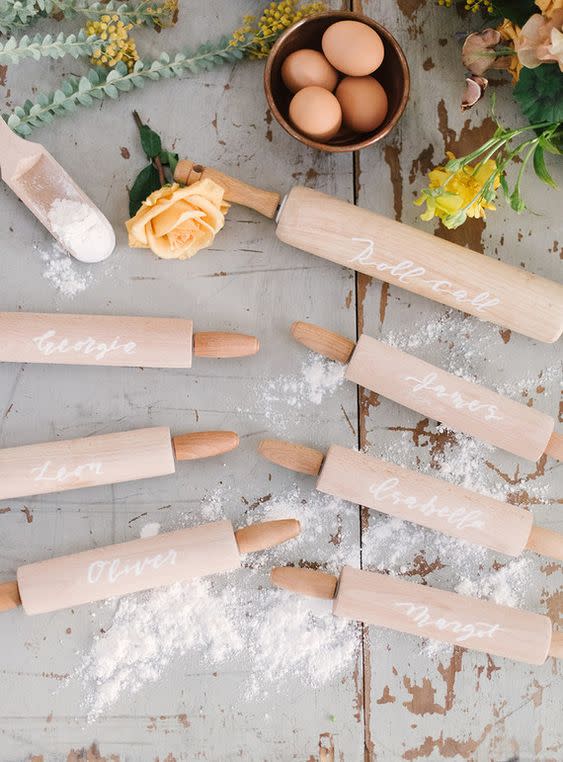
(401, 255)
(429, 613)
(419, 498)
(130, 342)
(431, 391)
(104, 459)
(130, 567)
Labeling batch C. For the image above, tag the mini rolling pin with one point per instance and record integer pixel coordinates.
(419, 498)
(412, 259)
(129, 342)
(104, 459)
(429, 613)
(432, 392)
(130, 567)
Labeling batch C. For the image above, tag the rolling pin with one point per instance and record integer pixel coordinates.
(130, 567)
(434, 393)
(401, 255)
(419, 498)
(104, 459)
(128, 342)
(420, 610)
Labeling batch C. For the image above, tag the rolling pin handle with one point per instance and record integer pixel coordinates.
(204, 444)
(264, 202)
(555, 446)
(556, 645)
(295, 457)
(266, 535)
(309, 582)
(221, 344)
(9, 596)
(546, 542)
(327, 343)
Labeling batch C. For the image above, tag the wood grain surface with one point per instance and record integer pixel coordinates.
(398, 701)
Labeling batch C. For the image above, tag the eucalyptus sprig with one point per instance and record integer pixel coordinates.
(14, 50)
(15, 14)
(157, 173)
(100, 83)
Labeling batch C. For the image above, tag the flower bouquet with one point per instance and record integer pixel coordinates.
(526, 42)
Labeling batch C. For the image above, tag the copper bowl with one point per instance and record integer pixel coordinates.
(393, 74)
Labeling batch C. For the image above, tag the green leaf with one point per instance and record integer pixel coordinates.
(169, 159)
(541, 169)
(516, 200)
(147, 181)
(150, 140)
(539, 93)
(518, 11)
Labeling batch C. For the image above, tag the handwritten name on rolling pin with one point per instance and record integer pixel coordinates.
(407, 273)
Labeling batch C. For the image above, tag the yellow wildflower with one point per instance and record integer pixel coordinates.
(476, 5)
(258, 37)
(455, 194)
(115, 43)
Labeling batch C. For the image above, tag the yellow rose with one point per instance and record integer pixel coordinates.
(177, 221)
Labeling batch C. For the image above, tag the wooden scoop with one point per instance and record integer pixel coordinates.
(432, 392)
(419, 498)
(403, 256)
(429, 613)
(41, 183)
(130, 567)
(104, 459)
(132, 342)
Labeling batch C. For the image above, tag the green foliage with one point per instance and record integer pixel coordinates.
(15, 14)
(518, 11)
(150, 141)
(148, 180)
(540, 167)
(163, 163)
(539, 92)
(99, 83)
(48, 46)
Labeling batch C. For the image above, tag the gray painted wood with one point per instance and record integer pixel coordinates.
(398, 702)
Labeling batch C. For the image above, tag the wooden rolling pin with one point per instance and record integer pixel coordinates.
(431, 391)
(401, 255)
(419, 498)
(104, 459)
(132, 342)
(429, 613)
(130, 567)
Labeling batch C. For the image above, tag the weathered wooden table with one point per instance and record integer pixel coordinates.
(397, 701)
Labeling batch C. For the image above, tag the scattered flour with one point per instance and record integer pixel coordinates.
(63, 273)
(150, 530)
(319, 377)
(507, 586)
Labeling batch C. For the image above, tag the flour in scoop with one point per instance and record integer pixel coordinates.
(81, 229)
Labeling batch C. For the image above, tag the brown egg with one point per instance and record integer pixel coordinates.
(316, 112)
(363, 102)
(353, 48)
(307, 67)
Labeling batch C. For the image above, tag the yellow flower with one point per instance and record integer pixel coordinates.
(454, 195)
(115, 43)
(509, 34)
(175, 222)
(548, 7)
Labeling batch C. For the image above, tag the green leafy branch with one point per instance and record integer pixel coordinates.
(161, 163)
(499, 147)
(15, 14)
(99, 83)
(13, 51)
